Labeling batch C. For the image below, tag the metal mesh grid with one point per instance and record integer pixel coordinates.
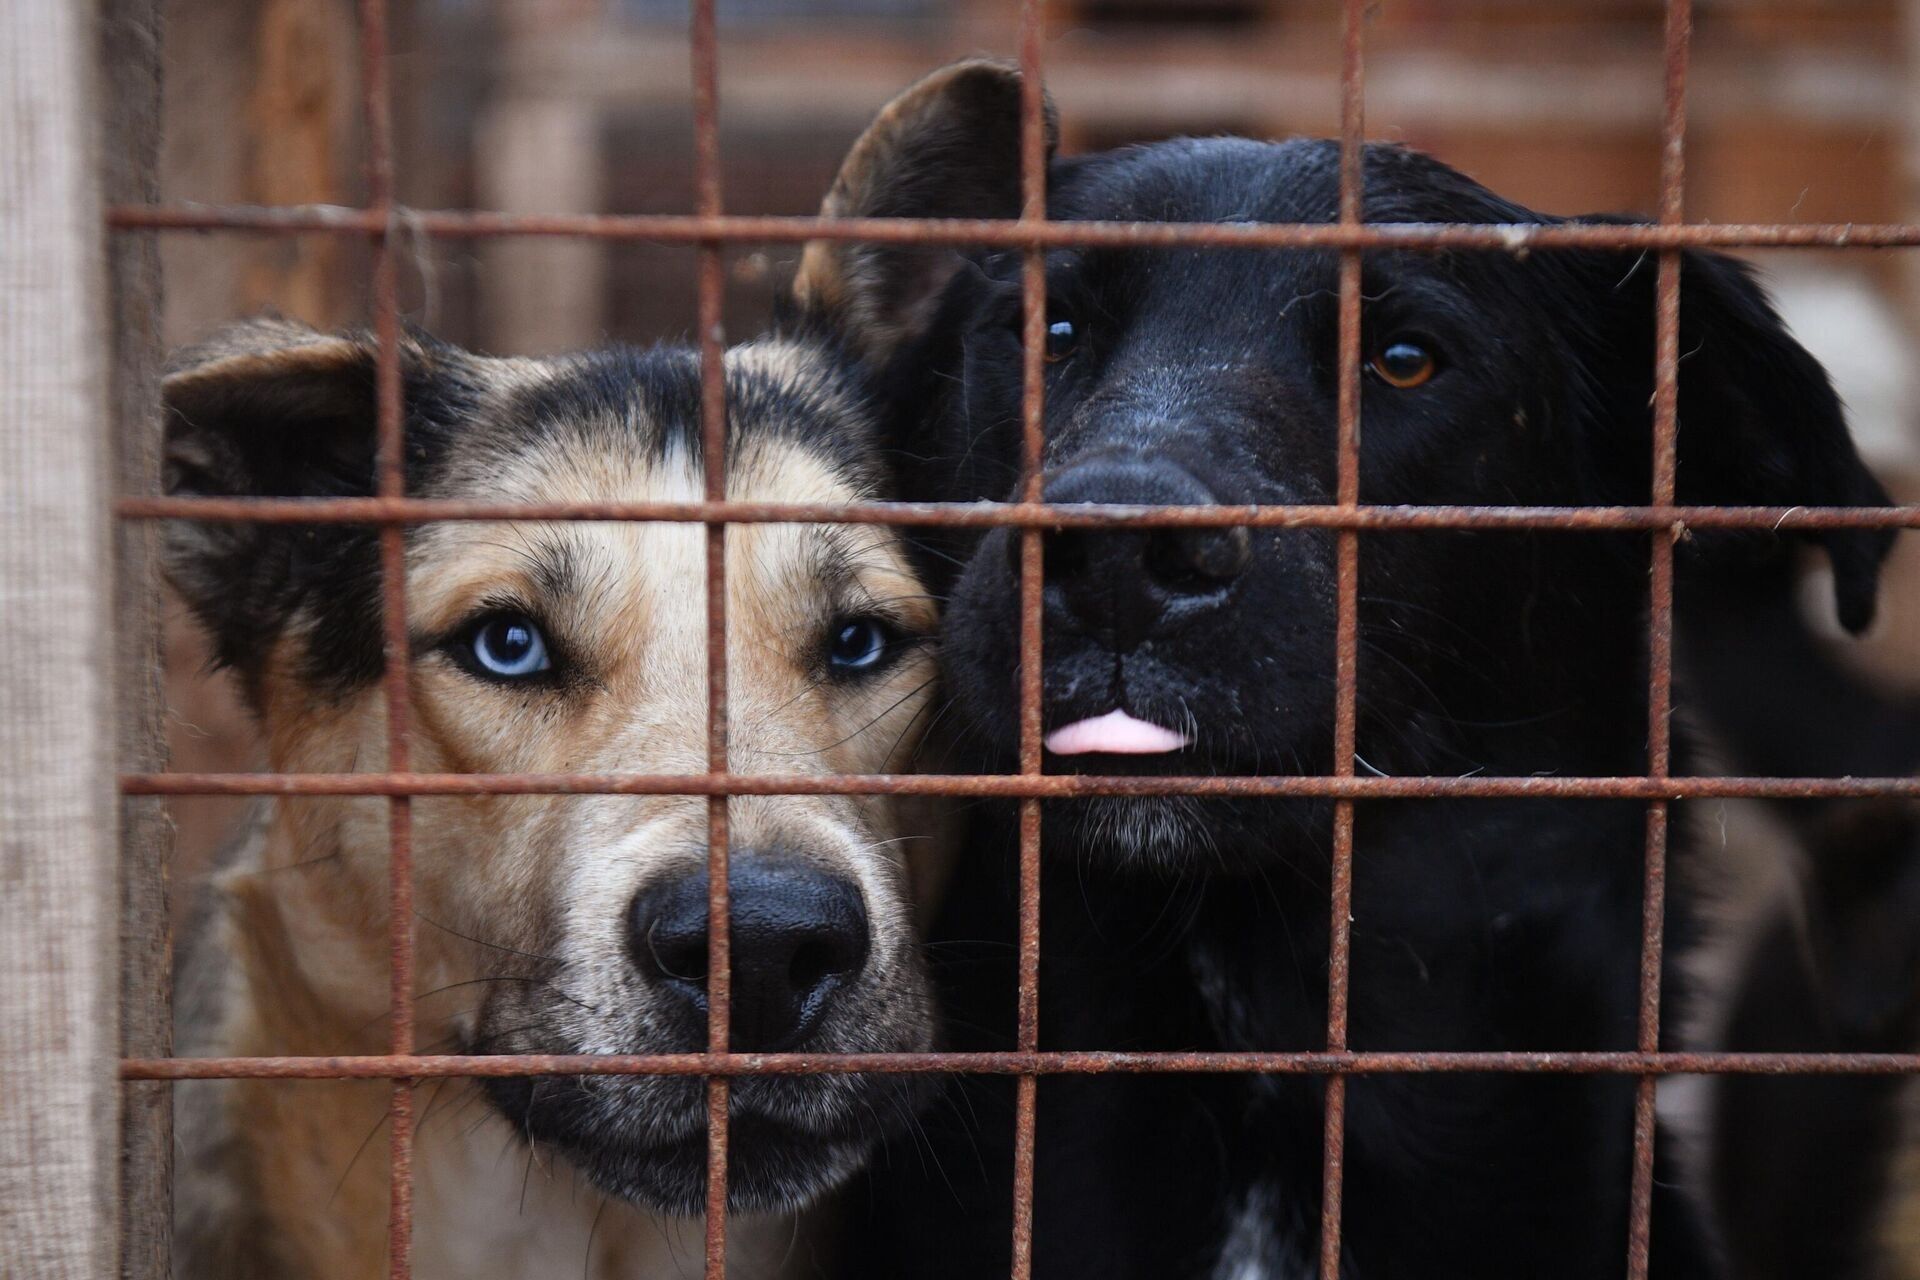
(709, 230)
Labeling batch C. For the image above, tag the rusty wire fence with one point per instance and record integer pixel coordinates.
(709, 230)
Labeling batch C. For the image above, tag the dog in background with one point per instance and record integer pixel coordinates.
(545, 924)
(1190, 376)
(1816, 1175)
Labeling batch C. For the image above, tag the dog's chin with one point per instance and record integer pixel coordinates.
(1182, 834)
(644, 1140)
(771, 1168)
(1175, 833)
(1146, 833)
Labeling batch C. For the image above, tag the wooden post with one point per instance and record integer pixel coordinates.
(130, 46)
(541, 155)
(301, 118)
(59, 1099)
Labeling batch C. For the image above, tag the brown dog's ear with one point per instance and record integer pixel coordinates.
(948, 147)
(1760, 424)
(273, 409)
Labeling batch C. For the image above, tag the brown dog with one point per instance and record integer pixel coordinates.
(545, 924)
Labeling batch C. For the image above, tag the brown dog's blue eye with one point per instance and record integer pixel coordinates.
(1062, 338)
(1403, 363)
(509, 646)
(858, 644)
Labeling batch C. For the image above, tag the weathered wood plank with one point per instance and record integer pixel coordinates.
(59, 1102)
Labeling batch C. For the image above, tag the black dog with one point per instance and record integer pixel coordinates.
(1189, 376)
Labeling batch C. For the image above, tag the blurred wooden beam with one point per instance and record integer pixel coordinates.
(1606, 77)
(541, 154)
(300, 124)
(130, 37)
(59, 823)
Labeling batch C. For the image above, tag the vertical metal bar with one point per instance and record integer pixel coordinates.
(713, 431)
(1666, 401)
(1033, 302)
(391, 483)
(1346, 631)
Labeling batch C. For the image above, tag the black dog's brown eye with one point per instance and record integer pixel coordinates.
(1403, 363)
(1062, 338)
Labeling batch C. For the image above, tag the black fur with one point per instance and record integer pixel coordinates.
(1180, 924)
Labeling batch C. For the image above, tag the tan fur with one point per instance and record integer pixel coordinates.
(1900, 1225)
(296, 1171)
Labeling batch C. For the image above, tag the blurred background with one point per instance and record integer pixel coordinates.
(1799, 111)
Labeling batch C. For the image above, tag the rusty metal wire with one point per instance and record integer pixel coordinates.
(1011, 234)
(1033, 304)
(1346, 644)
(1011, 786)
(985, 515)
(1666, 425)
(390, 478)
(710, 231)
(713, 437)
(1078, 1063)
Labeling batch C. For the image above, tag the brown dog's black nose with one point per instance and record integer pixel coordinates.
(1123, 585)
(799, 938)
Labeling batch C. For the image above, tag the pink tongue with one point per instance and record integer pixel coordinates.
(1115, 733)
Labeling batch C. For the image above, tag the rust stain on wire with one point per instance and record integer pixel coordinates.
(376, 1067)
(1518, 237)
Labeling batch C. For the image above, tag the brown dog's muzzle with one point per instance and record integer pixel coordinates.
(799, 940)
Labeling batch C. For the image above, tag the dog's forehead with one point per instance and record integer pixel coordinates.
(1203, 180)
(1200, 308)
(645, 405)
(624, 427)
(1244, 180)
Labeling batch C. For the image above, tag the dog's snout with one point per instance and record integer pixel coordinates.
(1202, 558)
(799, 938)
(1125, 584)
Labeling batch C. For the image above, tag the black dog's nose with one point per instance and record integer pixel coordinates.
(799, 937)
(1122, 585)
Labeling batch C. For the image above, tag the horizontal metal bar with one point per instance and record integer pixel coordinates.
(1006, 233)
(975, 515)
(1054, 786)
(425, 1066)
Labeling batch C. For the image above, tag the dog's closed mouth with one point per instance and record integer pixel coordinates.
(776, 1160)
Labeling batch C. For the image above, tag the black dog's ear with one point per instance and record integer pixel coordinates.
(948, 147)
(271, 409)
(1760, 424)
